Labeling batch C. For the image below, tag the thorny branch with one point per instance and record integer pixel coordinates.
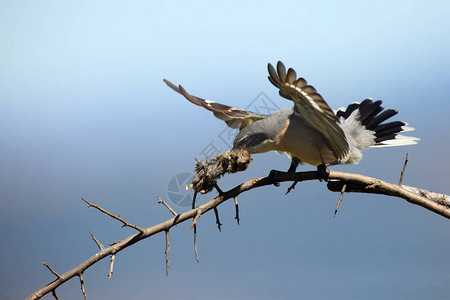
(437, 203)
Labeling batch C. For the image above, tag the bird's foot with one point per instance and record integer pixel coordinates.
(273, 177)
(323, 172)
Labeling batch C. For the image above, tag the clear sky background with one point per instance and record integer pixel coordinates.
(84, 113)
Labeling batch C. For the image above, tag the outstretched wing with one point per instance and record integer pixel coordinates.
(233, 117)
(312, 107)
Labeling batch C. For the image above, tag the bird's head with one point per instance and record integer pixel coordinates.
(254, 139)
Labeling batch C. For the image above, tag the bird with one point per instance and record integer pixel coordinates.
(309, 132)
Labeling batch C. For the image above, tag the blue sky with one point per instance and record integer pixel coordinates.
(84, 113)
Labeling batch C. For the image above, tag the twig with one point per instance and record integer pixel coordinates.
(439, 204)
(195, 229)
(403, 171)
(54, 294)
(119, 218)
(51, 270)
(100, 245)
(82, 285)
(111, 266)
(195, 244)
(167, 205)
(236, 205)
(340, 198)
(216, 212)
(167, 252)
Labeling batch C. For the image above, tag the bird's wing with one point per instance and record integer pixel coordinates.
(233, 117)
(312, 107)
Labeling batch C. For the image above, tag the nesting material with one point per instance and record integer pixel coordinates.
(209, 172)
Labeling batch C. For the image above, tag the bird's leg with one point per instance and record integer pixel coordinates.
(294, 163)
(292, 169)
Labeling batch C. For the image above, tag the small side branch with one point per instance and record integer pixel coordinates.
(111, 266)
(403, 171)
(119, 218)
(51, 270)
(195, 244)
(195, 229)
(82, 285)
(236, 205)
(197, 216)
(167, 252)
(54, 294)
(340, 199)
(216, 212)
(167, 205)
(99, 245)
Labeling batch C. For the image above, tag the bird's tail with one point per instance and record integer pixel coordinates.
(363, 122)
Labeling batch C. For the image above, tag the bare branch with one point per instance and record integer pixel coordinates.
(119, 218)
(403, 170)
(167, 205)
(438, 203)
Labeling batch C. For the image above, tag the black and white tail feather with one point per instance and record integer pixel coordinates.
(364, 128)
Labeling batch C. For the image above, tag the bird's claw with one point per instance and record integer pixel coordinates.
(273, 177)
(323, 172)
